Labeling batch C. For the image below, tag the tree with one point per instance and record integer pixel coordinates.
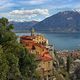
(55, 53)
(61, 61)
(19, 63)
(68, 64)
(4, 68)
(28, 65)
(56, 60)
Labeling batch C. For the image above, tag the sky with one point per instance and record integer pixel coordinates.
(28, 10)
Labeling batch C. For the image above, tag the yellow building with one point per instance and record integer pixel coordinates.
(36, 46)
(40, 39)
(45, 67)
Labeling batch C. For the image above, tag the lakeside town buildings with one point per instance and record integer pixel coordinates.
(38, 45)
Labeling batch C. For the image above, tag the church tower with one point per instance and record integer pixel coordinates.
(32, 32)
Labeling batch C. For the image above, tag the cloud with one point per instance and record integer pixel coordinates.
(33, 2)
(7, 6)
(34, 12)
(26, 15)
(35, 9)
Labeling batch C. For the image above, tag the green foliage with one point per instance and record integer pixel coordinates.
(27, 65)
(55, 53)
(64, 73)
(61, 61)
(58, 75)
(4, 21)
(13, 66)
(16, 63)
(68, 63)
(3, 65)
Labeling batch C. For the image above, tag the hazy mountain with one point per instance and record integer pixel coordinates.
(23, 25)
(67, 21)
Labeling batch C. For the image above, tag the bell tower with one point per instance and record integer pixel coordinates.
(32, 32)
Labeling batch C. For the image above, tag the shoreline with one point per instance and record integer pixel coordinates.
(63, 49)
(26, 31)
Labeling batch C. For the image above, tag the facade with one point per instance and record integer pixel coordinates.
(36, 44)
(40, 39)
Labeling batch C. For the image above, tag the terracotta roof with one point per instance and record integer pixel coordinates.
(27, 41)
(40, 45)
(45, 57)
(27, 37)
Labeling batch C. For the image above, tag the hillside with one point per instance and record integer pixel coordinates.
(67, 21)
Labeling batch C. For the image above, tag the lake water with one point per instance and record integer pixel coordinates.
(62, 41)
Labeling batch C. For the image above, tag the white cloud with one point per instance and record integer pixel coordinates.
(26, 15)
(34, 12)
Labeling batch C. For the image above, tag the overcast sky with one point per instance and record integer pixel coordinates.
(27, 10)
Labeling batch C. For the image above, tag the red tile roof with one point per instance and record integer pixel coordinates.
(44, 56)
(27, 37)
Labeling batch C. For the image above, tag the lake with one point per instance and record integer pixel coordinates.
(62, 41)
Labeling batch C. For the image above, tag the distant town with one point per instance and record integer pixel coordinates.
(53, 64)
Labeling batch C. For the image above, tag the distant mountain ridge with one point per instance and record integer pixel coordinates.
(21, 26)
(67, 21)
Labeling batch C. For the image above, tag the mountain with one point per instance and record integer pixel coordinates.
(67, 21)
(21, 26)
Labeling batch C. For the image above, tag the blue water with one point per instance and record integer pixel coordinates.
(62, 41)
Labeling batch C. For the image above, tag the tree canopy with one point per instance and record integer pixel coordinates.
(16, 63)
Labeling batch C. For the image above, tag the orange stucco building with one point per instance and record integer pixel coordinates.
(36, 44)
